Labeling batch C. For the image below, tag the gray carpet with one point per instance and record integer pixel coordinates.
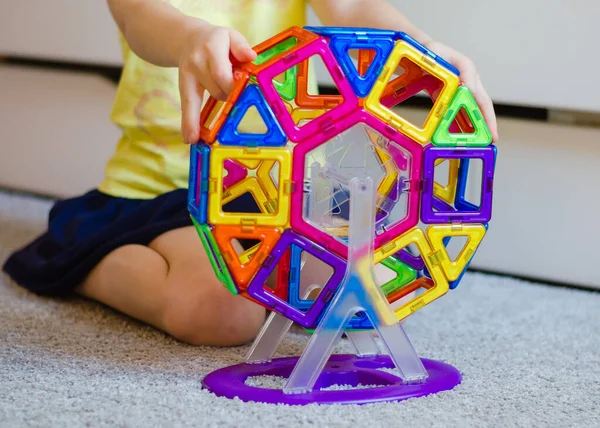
(529, 354)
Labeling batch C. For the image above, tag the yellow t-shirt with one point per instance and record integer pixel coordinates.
(151, 158)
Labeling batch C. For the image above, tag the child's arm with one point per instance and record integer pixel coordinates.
(380, 14)
(160, 34)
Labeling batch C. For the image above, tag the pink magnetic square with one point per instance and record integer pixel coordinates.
(294, 132)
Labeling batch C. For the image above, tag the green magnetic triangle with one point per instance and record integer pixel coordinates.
(214, 256)
(286, 88)
(479, 138)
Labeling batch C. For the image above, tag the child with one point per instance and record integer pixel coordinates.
(129, 243)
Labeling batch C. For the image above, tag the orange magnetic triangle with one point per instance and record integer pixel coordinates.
(244, 270)
(365, 58)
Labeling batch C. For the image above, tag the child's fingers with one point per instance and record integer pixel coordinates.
(219, 65)
(240, 48)
(191, 93)
(201, 70)
(470, 78)
(468, 73)
(197, 64)
(487, 109)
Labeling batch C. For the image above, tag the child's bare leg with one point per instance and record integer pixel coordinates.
(170, 285)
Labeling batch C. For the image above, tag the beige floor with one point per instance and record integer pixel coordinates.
(529, 355)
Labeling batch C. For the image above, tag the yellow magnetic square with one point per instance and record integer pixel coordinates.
(450, 80)
(416, 236)
(247, 185)
(216, 197)
(263, 174)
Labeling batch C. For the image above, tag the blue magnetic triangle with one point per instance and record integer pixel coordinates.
(229, 134)
(340, 45)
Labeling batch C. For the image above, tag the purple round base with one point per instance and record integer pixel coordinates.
(230, 381)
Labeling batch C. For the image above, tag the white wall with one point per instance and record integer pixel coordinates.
(545, 203)
(55, 132)
(67, 30)
(529, 52)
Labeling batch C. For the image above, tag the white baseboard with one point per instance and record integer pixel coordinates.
(546, 198)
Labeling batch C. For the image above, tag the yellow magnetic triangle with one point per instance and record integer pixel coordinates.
(436, 234)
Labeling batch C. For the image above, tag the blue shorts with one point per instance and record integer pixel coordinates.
(84, 229)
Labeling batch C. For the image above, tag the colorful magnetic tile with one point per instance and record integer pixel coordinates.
(214, 256)
(306, 319)
(480, 137)
(306, 100)
(198, 182)
(295, 299)
(360, 321)
(341, 46)
(373, 104)
(300, 115)
(277, 210)
(279, 42)
(447, 192)
(435, 211)
(287, 87)
(323, 123)
(260, 186)
(364, 60)
(404, 275)
(244, 272)
(418, 284)
(428, 52)
(436, 234)
(294, 295)
(361, 32)
(440, 284)
(235, 173)
(231, 135)
(249, 185)
(408, 85)
(455, 283)
(283, 276)
(215, 112)
(460, 202)
(413, 260)
(300, 151)
(281, 285)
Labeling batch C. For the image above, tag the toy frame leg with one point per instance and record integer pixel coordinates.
(358, 292)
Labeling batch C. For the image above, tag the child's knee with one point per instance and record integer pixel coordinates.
(207, 314)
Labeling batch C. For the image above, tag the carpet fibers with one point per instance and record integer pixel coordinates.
(529, 354)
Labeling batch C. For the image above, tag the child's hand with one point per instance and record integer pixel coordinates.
(204, 65)
(471, 79)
